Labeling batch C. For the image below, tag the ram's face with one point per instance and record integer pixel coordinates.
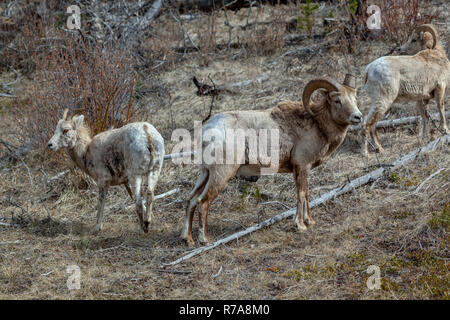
(417, 42)
(344, 107)
(65, 135)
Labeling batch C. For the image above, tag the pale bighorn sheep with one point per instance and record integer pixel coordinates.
(127, 155)
(308, 133)
(420, 76)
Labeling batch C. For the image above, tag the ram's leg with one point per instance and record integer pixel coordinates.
(218, 179)
(374, 118)
(440, 100)
(136, 187)
(422, 108)
(152, 180)
(309, 220)
(186, 233)
(301, 182)
(102, 192)
(364, 140)
(378, 108)
(127, 187)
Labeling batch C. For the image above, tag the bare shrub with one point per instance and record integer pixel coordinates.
(400, 17)
(85, 77)
(265, 39)
(207, 40)
(26, 29)
(159, 48)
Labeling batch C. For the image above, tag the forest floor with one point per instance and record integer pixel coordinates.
(46, 227)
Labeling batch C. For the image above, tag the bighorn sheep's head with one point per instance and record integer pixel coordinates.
(65, 135)
(341, 98)
(424, 37)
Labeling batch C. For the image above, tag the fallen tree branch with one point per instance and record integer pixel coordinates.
(7, 95)
(159, 196)
(427, 179)
(59, 175)
(166, 194)
(398, 122)
(356, 183)
(179, 155)
(151, 14)
(205, 89)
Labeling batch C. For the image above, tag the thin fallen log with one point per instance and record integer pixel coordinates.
(7, 95)
(151, 14)
(59, 175)
(204, 89)
(179, 155)
(398, 122)
(159, 196)
(166, 194)
(427, 179)
(356, 183)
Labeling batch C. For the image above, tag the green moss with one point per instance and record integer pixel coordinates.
(395, 178)
(441, 220)
(307, 272)
(422, 273)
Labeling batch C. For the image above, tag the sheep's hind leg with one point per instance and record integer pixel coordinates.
(186, 232)
(422, 108)
(377, 116)
(364, 141)
(102, 191)
(440, 97)
(377, 110)
(127, 187)
(217, 181)
(150, 192)
(136, 185)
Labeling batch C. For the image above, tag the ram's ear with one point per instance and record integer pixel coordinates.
(78, 121)
(427, 39)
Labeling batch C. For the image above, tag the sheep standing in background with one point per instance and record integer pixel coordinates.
(421, 76)
(127, 155)
(308, 134)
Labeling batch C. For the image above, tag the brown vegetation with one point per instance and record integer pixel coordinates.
(46, 216)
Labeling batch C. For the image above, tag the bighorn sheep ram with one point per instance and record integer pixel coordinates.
(307, 134)
(126, 155)
(420, 76)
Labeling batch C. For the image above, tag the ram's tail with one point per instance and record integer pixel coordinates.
(150, 144)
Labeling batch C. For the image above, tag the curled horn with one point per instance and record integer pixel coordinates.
(350, 80)
(431, 29)
(320, 83)
(66, 111)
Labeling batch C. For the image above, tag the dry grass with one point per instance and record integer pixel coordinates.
(382, 224)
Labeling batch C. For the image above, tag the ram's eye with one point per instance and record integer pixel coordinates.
(414, 40)
(65, 131)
